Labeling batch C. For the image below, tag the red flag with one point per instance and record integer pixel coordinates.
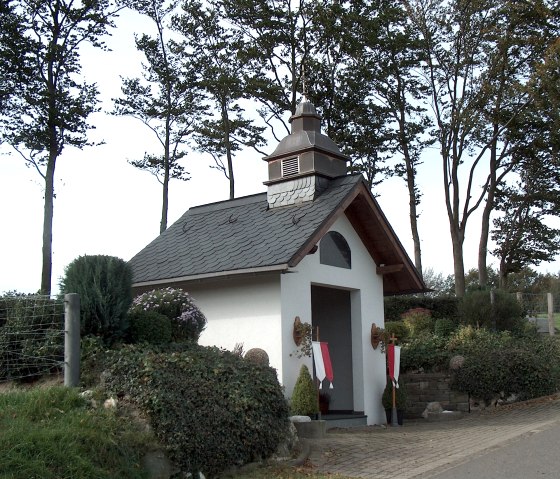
(327, 362)
(391, 360)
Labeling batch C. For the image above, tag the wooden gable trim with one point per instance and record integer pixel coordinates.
(394, 268)
(324, 228)
(385, 248)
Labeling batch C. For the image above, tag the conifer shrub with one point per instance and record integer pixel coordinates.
(209, 407)
(149, 326)
(187, 321)
(104, 284)
(400, 395)
(305, 400)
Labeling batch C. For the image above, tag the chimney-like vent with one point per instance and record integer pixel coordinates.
(290, 166)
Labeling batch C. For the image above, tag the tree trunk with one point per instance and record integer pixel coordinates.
(412, 200)
(485, 222)
(166, 166)
(46, 272)
(225, 121)
(458, 264)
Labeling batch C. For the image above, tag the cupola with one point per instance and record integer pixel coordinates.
(303, 163)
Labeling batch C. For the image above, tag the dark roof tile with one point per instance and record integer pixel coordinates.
(237, 234)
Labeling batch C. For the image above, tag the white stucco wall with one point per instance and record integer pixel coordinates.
(243, 310)
(367, 307)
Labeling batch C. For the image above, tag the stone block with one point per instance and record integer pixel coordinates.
(312, 429)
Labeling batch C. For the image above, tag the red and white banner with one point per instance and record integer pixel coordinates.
(323, 365)
(394, 363)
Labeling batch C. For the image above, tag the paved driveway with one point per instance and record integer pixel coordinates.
(420, 449)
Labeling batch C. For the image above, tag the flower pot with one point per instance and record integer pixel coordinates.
(400, 416)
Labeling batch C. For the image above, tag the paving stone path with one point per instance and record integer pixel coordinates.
(424, 449)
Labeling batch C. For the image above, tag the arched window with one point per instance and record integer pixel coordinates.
(335, 251)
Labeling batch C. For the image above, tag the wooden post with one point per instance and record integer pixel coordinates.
(394, 416)
(72, 340)
(551, 329)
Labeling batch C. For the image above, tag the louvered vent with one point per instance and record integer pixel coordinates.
(290, 166)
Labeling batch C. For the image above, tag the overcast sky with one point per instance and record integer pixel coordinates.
(105, 206)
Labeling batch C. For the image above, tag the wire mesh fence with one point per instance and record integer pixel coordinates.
(533, 304)
(542, 308)
(31, 336)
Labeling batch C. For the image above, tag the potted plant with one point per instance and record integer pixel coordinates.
(400, 397)
(304, 400)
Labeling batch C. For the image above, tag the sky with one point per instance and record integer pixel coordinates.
(105, 206)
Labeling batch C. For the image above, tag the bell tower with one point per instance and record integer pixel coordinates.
(303, 163)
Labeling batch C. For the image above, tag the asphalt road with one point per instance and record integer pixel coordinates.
(534, 455)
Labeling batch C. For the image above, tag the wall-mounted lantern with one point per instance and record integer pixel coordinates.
(376, 335)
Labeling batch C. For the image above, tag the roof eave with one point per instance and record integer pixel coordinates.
(280, 268)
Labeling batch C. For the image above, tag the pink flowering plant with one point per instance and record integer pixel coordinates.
(187, 320)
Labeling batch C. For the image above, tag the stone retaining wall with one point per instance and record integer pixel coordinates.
(422, 388)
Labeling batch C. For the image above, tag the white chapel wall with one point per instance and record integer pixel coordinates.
(244, 310)
(367, 307)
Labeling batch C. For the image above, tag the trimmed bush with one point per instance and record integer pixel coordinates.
(305, 400)
(104, 284)
(258, 356)
(522, 370)
(149, 327)
(187, 321)
(210, 408)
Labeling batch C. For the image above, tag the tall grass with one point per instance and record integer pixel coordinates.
(52, 434)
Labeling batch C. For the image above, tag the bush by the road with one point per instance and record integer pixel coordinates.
(210, 408)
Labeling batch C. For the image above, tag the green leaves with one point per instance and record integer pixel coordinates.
(210, 408)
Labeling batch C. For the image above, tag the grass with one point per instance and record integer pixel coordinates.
(52, 433)
(556, 318)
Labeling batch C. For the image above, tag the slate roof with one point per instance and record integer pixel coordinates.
(239, 234)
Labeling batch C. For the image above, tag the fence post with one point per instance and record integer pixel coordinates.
(551, 328)
(71, 339)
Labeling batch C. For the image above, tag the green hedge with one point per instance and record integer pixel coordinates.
(496, 363)
(506, 314)
(396, 306)
(211, 408)
(529, 369)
